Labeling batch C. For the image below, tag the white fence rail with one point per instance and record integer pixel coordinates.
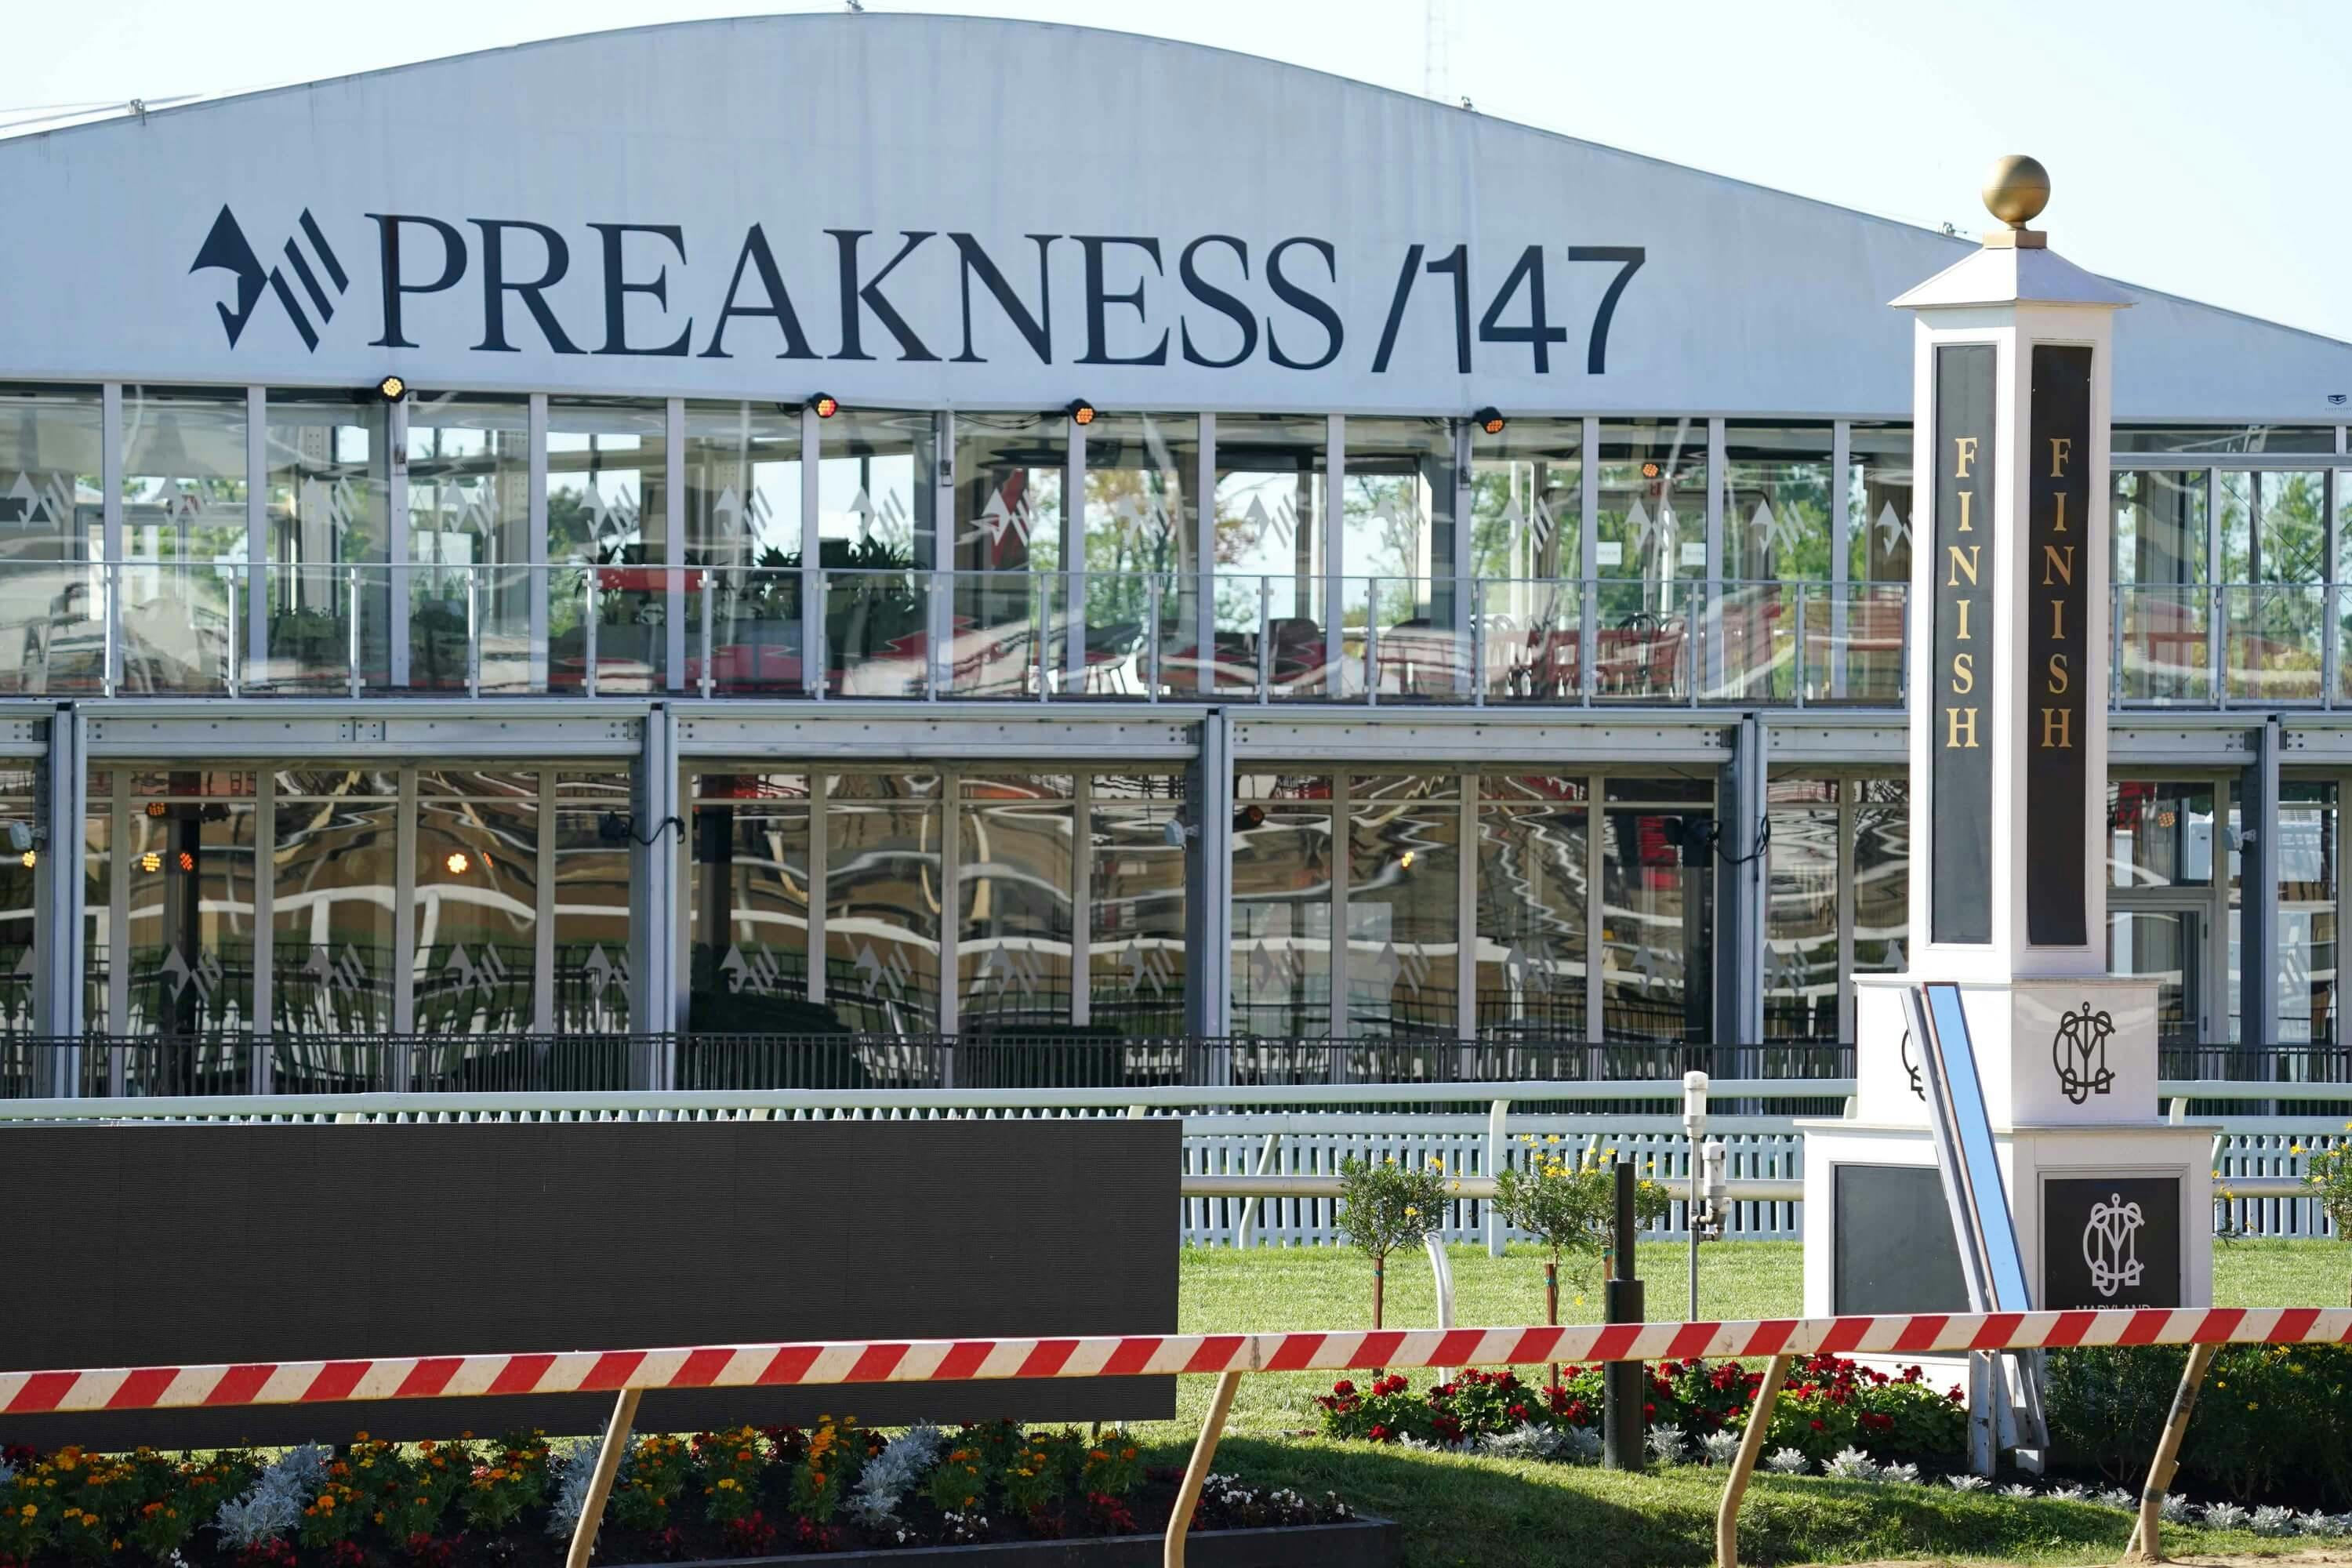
(1308, 1131)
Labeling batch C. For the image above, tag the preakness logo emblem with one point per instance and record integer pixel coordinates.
(227, 248)
(2111, 1245)
(2079, 1051)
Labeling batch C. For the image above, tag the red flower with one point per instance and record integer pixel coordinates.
(1819, 1425)
(1379, 1434)
(1517, 1413)
(1343, 1387)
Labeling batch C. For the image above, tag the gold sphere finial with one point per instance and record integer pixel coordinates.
(2016, 189)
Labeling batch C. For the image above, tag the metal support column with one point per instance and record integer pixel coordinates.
(110, 461)
(1341, 1024)
(2258, 917)
(60, 807)
(1082, 877)
(1209, 887)
(820, 789)
(404, 922)
(673, 551)
(1204, 558)
(543, 931)
(1074, 563)
(1740, 887)
(1848, 869)
(935, 566)
(1588, 553)
(256, 592)
(399, 550)
(265, 923)
(951, 914)
(1465, 925)
(1841, 570)
(1334, 533)
(814, 657)
(654, 999)
(535, 420)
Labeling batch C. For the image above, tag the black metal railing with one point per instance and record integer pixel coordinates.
(232, 1063)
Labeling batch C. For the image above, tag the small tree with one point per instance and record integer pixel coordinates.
(2331, 1183)
(1570, 1207)
(1384, 1207)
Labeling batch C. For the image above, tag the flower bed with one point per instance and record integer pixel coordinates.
(1827, 1406)
(744, 1493)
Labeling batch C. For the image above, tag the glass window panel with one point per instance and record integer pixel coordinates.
(875, 494)
(1800, 935)
(883, 901)
(329, 502)
(2159, 526)
(190, 915)
(332, 891)
(1657, 914)
(1136, 912)
(1526, 506)
(606, 503)
(2306, 891)
(2224, 438)
(1269, 508)
(1403, 900)
(96, 910)
(1534, 881)
(1879, 503)
(469, 519)
(18, 876)
(591, 909)
(1013, 951)
(1776, 502)
(183, 475)
(1882, 876)
(477, 911)
(1396, 512)
(1142, 539)
(742, 485)
(748, 913)
(2273, 526)
(2159, 834)
(52, 495)
(1652, 519)
(1009, 470)
(1282, 873)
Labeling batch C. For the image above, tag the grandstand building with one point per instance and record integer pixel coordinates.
(914, 529)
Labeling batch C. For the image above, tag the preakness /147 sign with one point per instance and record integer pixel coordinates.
(653, 290)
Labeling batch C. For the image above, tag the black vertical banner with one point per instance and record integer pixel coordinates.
(1962, 712)
(2057, 623)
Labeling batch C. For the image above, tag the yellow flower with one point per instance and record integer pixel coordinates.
(1412, 1212)
(2295, 1149)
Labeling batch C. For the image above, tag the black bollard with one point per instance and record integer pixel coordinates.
(1624, 1385)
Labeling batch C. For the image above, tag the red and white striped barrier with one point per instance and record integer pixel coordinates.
(955, 1361)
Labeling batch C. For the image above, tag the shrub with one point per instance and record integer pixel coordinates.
(1570, 1207)
(2268, 1417)
(2331, 1179)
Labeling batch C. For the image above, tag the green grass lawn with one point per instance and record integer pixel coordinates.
(1464, 1511)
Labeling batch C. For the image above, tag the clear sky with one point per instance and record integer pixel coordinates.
(2193, 147)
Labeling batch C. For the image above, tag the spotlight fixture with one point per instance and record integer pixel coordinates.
(457, 862)
(1404, 861)
(1649, 471)
(187, 861)
(31, 858)
(825, 404)
(151, 862)
(392, 388)
(1081, 412)
(1249, 816)
(1489, 420)
(156, 808)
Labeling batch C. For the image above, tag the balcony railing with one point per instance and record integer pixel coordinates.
(232, 629)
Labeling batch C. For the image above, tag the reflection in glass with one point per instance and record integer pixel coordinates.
(1136, 943)
(2306, 894)
(469, 520)
(2159, 834)
(876, 503)
(747, 911)
(1879, 503)
(743, 523)
(52, 501)
(191, 913)
(1800, 931)
(1881, 875)
(184, 517)
(1651, 538)
(476, 903)
(1533, 882)
(328, 509)
(1282, 910)
(1009, 470)
(1404, 900)
(1657, 910)
(18, 925)
(606, 503)
(1012, 950)
(1142, 528)
(334, 884)
(2161, 569)
(1777, 484)
(1270, 502)
(882, 902)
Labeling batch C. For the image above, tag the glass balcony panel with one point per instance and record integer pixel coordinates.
(756, 632)
(305, 644)
(1000, 642)
(178, 621)
(1128, 620)
(1530, 640)
(1642, 645)
(878, 636)
(1423, 647)
(52, 629)
(2273, 636)
(2163, 641)
(1753, 628)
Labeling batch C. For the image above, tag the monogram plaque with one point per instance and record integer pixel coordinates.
(2110, 1241)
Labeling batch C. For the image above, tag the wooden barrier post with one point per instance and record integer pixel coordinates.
(600, 1485)
(1187, 1495)
(2146, 1545)
(1752, 1447)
